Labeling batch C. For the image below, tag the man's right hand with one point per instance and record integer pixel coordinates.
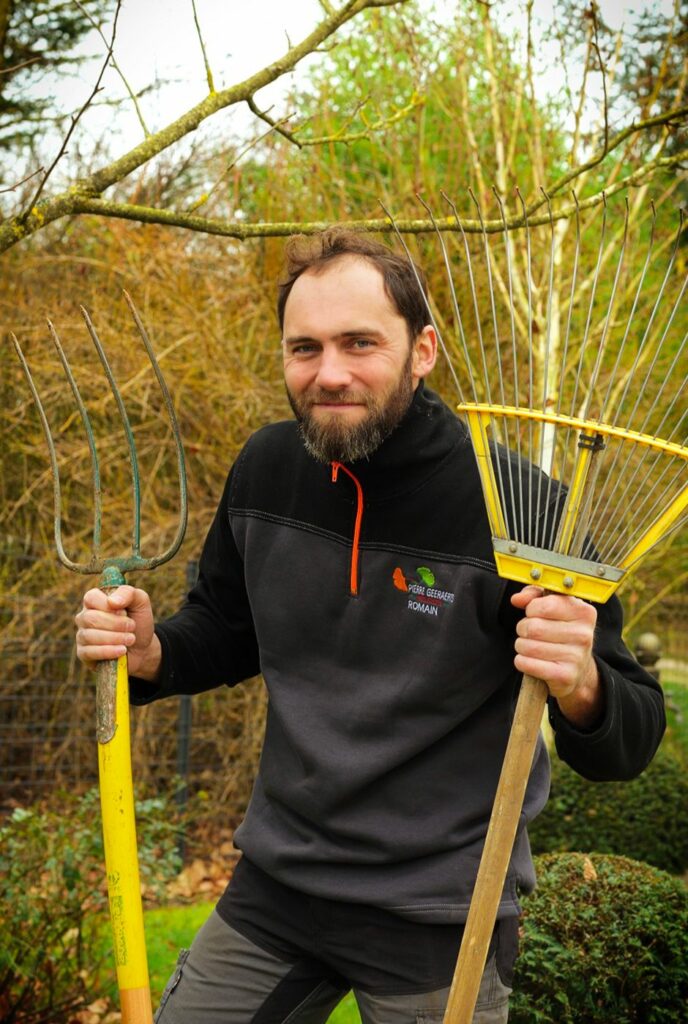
(111, 625)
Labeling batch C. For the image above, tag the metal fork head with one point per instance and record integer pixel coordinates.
(111, 568)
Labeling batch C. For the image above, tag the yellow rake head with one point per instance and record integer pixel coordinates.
(566, 340)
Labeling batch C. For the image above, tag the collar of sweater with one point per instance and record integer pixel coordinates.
(413, 452)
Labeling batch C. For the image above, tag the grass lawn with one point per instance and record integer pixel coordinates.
(170, 929)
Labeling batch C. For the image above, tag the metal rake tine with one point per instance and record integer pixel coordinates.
(181, 468)
(488, 266)
(427, 304)
(455, 304)
(57, 498)
(133, 459)
(529, 264)
(85, 419)
(610, 306)
(602, 496)
(636, 299)
(641, 388)
(548, 432)
(648, 328)
(512, 322)
(591, 304)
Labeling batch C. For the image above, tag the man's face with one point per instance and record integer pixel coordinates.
(349, 367)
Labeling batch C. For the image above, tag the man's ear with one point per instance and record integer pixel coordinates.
(424, 353)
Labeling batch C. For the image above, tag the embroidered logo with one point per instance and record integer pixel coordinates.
(424, 596)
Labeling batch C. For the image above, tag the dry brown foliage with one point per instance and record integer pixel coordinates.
(211, 320)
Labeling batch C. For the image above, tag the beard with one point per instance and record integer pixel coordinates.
(332, 439)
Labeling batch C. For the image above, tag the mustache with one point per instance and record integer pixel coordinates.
(339, 397)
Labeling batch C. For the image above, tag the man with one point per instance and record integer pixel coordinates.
(350, 561)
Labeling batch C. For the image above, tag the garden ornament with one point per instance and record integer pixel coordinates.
(578, 366)
(112, 686)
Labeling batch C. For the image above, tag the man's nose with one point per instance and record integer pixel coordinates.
(333, 371)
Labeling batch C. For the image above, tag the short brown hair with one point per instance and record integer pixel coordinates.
(315, 252)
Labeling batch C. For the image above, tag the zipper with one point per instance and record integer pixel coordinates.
(353, 577)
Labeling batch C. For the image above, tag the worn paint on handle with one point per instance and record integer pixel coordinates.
(121, 861)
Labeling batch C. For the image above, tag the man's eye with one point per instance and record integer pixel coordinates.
(303, 349)
(362, 343)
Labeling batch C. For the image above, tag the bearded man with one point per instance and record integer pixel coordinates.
(350, 561)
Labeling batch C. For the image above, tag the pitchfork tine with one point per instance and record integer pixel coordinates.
(57, 500)
(181, 469)
(133, 459)
(85, 419)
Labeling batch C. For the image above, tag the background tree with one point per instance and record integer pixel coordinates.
(38, 41)
(85, 195)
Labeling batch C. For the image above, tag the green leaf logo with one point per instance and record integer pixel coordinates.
(427, 575)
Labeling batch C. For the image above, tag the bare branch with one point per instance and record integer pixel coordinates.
(115, 66)
(343, 136)
(208, 72)
(28, 177)
(63, 204)
(603, 71)
(276, 125)
(247, 148)
(229, 229)
(75, 120)
(669, 117)
(18, 67)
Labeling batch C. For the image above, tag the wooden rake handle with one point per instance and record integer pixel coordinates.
(499, 843)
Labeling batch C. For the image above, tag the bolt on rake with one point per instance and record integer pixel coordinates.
(112, 685)
(570, 361)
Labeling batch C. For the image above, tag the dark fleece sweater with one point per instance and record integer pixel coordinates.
(389, 668)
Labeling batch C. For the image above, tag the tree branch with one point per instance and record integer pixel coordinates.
(12, 188)
(208, 72)
(677, 115)
(75, 120)
(116, 67)
(603, 71)
(229, 229)
(18, 67)
(264, 115)
(63, 204)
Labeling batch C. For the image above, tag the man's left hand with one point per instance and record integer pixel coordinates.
(554, 644)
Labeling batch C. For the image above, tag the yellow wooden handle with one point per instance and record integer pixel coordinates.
(121, 858)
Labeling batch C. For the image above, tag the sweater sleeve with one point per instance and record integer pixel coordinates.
(211, 640)
(625, 740)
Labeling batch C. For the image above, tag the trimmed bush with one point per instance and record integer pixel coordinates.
(645, 819)
(605, 941)
(51, 889)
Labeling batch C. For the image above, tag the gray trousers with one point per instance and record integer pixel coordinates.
(226, 979)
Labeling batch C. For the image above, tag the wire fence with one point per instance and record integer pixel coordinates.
(47, 726)
(209, 745)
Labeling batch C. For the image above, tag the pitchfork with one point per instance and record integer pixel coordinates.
(112, 686)
(585, 383)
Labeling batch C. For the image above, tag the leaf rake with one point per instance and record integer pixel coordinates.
(571, 369)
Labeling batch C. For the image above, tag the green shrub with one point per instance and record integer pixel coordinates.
(605, 941)
(51, 886)
(645, 819)
(676, 699)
